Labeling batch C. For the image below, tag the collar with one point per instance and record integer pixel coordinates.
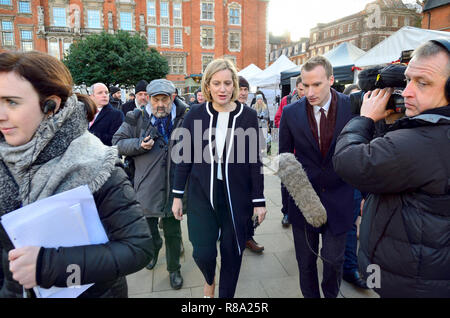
(326, 107)
(232, 113)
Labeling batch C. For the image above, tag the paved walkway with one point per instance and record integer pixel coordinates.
(272, 274)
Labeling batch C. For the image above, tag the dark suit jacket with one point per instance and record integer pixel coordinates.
(128, 106)
(334, 193)
(106, 124)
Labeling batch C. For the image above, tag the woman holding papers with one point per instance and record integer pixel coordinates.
(45, 149)
(226, 184)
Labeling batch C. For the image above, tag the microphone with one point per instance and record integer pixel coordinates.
(294, 178)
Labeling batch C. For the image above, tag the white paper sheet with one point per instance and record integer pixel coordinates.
(66, 219)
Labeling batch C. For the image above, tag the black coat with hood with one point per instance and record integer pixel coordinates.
(405, 227)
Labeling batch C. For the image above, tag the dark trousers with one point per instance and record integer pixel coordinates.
(332, 251)
(172, 234)
(206, 254)
(351, 245)
(284, 200)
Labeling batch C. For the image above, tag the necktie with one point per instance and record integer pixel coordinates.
(323, 132)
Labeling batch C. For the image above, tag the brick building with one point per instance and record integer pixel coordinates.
(436, 15)
(189, 33)
(364, 29)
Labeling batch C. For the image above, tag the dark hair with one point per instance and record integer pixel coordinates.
(243, 82)
(351, 87)
(48, 76)
(299, 80)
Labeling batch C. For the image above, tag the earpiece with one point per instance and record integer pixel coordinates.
(49, 106)
(446, 45)
(447, 89)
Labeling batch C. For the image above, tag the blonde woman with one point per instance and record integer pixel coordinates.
(226, 184)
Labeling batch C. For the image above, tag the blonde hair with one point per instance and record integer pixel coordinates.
(216, 66)
(260, 106)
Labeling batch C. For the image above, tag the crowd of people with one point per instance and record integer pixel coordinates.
(157, 158)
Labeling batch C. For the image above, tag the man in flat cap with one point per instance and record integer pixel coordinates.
(145, 135)
(140, 100)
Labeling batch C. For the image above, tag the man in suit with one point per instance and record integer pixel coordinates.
(108, 119)
(251, 244)
(311, 126)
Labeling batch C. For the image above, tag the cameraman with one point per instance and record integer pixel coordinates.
(406, 217)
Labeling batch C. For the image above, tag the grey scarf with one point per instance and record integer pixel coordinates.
(61, 156)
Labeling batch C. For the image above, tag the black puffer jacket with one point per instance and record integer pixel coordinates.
(406, 219)
(127, 251)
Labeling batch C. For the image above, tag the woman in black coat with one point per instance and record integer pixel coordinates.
(226, 182)
(45, 149)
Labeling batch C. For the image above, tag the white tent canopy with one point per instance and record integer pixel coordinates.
(344, 54)
(271, 75)
(389, 50)
(250, 71)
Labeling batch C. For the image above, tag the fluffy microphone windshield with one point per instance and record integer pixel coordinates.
(294, 178)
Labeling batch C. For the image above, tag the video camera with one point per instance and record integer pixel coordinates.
(381, 77)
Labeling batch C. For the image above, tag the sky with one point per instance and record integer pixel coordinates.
(299, 16)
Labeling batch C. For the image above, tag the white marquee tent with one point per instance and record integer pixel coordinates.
(250, 71)
(389, 50)
(270, 77)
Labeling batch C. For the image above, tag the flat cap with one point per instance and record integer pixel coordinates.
(160, 86)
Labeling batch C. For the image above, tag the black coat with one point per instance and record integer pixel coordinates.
(128, 106)
(107, 123)
(241, 170)
(127, 251)
(405, 225)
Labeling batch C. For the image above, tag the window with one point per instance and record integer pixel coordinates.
(176, 64)
(24, 7)
(365, 44)
(332, 32)
(341, 29)
(59, 17)
(151, 36)
(5, 2)
(7, 33)
(207, 11)
(53, 48)
(165, 40)
(66, 46)
(232, 59)
(395, 21)
(151, 9)
(126, 22)
(26, 37)
(350, 27)
(177, 37)
(207, 35)
(164, 13)
(383, 20)
(406, 21)
(206, 59)
(235, 41)
(93, 17)
(235, 16)
(164, 7)
(177, 10)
